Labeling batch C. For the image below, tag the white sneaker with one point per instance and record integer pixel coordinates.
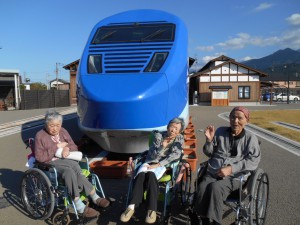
(126, 215)
(151, 216)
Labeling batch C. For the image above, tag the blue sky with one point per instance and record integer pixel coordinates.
(37, 34)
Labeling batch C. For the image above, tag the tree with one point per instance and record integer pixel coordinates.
(38, 86)
(22, 87)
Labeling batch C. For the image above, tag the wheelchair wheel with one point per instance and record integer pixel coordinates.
(36, 194)
(61, 218)
(260, 197)
(185, 186)
(165, 221)
(200, 173)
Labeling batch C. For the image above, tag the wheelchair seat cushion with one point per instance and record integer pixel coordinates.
(85, 172)
(165, 178)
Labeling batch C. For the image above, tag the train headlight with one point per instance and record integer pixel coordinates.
(156, 62)
(95, 64)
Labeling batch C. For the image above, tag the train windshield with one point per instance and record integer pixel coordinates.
(134, 33)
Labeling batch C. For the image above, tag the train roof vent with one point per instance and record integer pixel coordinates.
(131, 58)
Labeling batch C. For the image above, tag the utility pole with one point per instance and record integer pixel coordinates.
(288, 88)
(47, 81)
(56, 72)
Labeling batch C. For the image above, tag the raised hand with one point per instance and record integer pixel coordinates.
(65, 152)
(167, 141)
(209, 133)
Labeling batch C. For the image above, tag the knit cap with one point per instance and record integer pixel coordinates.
(243, 110)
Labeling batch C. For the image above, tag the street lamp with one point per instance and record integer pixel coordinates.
(288, 88)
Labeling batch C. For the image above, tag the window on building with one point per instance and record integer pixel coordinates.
(244, 92)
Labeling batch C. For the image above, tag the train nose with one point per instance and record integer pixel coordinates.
(124, 102)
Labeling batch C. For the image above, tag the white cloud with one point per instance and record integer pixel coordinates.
(246, 58)
(206, 59)
(263, 6)
(235, 43)
(294, 19)
(291, 39)
(243, 39)
(205, 48)
(287, 39)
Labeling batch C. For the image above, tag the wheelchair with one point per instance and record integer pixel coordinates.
(250, 201)
(169, 185)
(42, 189)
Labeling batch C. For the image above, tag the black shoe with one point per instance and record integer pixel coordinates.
(205, 221)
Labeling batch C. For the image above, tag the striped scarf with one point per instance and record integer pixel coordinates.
(55, 138)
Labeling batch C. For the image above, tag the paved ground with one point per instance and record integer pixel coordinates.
(282, 166)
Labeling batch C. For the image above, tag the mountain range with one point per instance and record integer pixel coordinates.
(280, 66)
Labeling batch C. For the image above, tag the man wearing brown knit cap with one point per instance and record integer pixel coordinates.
(232, 152)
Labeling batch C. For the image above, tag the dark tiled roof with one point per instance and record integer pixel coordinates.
(220, 87)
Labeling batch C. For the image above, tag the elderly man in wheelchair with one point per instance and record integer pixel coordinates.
(165, 149)
(52, 149)
(233, 154)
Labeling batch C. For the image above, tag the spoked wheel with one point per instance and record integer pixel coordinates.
(259, 203)
(36, 194)
(61, 218)
(185, 185)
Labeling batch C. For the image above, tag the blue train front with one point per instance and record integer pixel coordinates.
(132, 79)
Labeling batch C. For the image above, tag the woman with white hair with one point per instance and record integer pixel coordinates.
(55, 138)
(166, 148)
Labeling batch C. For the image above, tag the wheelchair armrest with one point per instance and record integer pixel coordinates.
(201, 172)
(50, 172)
(204, 164)
(84, 158)
(141, 155)
(240, 193)
(44, 166)
(140, 158)
(84, 162)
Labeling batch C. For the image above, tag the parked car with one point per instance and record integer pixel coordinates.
(267, 96)
(283, 97)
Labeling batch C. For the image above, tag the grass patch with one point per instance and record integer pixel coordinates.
(265, 118)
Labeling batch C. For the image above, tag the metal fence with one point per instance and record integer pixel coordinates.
(38, 99)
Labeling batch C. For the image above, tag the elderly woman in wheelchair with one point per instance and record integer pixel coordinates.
(53, 139)
(233, 152)
(165, 149)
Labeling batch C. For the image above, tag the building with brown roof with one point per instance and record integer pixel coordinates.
(72, 67)
(223, 81)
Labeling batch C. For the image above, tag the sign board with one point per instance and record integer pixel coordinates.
(220, 95)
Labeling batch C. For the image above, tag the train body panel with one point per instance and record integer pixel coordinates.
(132, 78)
(133, 110)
